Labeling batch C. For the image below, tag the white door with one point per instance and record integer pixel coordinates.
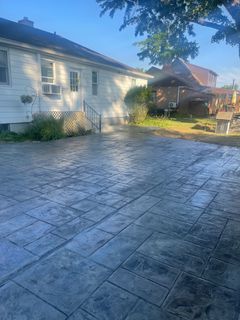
(74, 76)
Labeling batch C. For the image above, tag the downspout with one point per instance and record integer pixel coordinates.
(39, 89)
(178, 94)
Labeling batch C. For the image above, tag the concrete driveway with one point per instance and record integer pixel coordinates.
(119, 226)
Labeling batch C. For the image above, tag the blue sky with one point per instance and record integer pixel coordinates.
(79, 20)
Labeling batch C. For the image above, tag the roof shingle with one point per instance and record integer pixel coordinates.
(42, 39)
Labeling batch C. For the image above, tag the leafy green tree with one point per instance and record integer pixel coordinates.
(138, 100)
(169, 24)
(230, 86)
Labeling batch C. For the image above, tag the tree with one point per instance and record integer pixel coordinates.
(231, 86)
(138, 100)
(169, 24)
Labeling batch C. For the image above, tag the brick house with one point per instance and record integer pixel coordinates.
(189, 88)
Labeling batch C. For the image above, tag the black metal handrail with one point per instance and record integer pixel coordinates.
(93, 116)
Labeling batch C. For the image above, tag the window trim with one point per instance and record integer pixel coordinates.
(54, 73)
(154, 96)
(9, 82)
(95, 83)
(133, 82)
(79, 80)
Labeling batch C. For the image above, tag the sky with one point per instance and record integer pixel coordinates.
(80, 21)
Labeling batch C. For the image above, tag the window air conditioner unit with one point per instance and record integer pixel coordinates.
(172, 105)
(51, 89)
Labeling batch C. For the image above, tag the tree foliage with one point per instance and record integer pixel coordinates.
(231, 86)
(138, 96)
(169, 24)
(138, 100)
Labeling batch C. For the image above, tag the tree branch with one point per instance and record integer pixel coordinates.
(233, 9)
(209, 24)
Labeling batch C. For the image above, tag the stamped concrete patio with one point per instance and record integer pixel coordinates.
(120, 226)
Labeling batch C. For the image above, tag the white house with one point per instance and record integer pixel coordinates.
(61, 75)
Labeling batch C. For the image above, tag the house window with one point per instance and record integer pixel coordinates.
(4, 73)
(154, 96)
(134, 83)
(47, 71)
(94, 83)
(74, 81)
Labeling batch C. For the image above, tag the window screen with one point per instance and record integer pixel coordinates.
(74, 81)
(4, 75)
(95, 83)
(134, 83)
(47, 71)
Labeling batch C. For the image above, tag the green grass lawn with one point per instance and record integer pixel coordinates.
(179, 123)
(12, 137)
(197, 129)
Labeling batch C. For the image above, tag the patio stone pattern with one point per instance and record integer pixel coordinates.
(110, 302)
(64, 279)
(194, 298)
(119, 226)
(143, 288)
(18, 303)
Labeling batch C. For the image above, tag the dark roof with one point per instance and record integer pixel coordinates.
(42, 39)
(153, 71)
(194, 68)
(167, 79)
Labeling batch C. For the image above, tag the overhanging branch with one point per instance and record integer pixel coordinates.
(209, 24)
(233, 8)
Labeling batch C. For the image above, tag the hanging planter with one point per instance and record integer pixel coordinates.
(27, 101)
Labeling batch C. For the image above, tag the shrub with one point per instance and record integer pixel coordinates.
(45, 128)
(137, 100)
(12, 137)
(138, 114)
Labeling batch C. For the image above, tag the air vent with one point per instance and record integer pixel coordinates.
(172, 105)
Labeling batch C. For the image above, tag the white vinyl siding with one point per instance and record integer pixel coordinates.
(4, 72)
(25, 79)
(47, 71)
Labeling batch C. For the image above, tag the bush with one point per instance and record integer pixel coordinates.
(138, 114)
(12, 137)
(137, 100)
(45, 128)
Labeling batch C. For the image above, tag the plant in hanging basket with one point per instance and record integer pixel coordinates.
(25, 99)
